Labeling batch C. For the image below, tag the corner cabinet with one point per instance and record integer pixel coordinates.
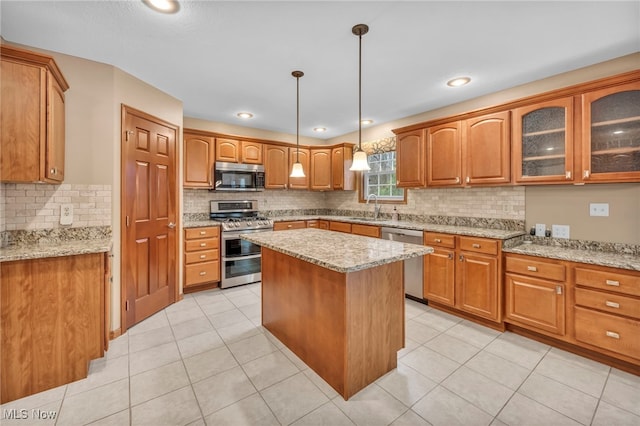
(276, 161)
(198, 160)
(410, 159)
(543, 142)
(611, 134)
(33, 117)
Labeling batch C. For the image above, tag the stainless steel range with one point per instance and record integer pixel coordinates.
(241, 260)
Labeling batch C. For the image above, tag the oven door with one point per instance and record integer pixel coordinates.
(241, 270)
(233, 246)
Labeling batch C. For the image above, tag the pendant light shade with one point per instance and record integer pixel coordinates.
(297, 171)
(360, 162)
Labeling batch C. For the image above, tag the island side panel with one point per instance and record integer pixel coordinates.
(375, 324)
(303, 305)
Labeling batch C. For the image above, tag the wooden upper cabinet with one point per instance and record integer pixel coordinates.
(410, 159)
(32, 138)
(486, 149)
(444, 155)
(341, 159)
(227, 150)
(543, 142)
(198, 160)
(321, 178)
(276, 162)
(303, 155)
(611, 134)
(251, 152)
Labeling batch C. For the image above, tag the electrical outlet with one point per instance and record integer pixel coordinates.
(540, 229)
(599, 209)
(560, 231)
(66, 214)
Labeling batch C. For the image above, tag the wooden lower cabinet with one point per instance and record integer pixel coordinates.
(291, 224)
(340, 226)
(463, 273)
(366, 230)
(201, 258)
(320, 224)
(52, 321)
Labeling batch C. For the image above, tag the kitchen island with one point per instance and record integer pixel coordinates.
(336, 300)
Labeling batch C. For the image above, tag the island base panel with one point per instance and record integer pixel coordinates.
(347, 327)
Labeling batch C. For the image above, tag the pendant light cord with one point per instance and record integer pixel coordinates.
(360, 93)
(297, 119)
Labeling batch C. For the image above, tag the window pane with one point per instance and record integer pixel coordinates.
(381, 179)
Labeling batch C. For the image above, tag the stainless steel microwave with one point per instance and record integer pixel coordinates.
(238, 177)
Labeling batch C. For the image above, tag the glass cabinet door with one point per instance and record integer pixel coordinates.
(611, 134)
(543, 142)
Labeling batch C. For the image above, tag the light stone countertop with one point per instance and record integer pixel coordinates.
(497, 234)
(337, 251)
(57, 249)
(199, 223)
(592, 257)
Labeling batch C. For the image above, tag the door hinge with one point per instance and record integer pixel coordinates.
(126, 305)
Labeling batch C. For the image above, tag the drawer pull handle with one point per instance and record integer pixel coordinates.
(613, 283)
(612, 304)
(437, 240)
(203, 232)
(612, 334)
(532, 268)
(203, 273)
(203, 244)
(289, 226)
(475, 245)
(203, 256)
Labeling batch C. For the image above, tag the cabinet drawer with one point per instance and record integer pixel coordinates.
(536, 268)
(607, 331)
(201, 256)
(340, 227)
(479, 245)
(613, 281)
(201, 273)
(366, 230)
(208, 232)
(614, 303)
(319, 224)
(205, 244)
(438, 239)
(294, 224)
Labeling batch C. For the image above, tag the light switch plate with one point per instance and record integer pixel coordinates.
(599, 209)
(560, 231)
(66, 214)
(541, 228)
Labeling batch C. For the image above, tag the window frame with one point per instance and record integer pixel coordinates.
(362, 176)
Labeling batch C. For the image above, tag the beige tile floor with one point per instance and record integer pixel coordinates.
(207, 360)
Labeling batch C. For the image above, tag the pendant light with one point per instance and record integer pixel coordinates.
(359, 156)
(296, 170)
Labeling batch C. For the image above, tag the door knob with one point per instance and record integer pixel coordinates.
(171, 225)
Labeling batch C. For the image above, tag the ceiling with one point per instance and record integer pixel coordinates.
(222, 57)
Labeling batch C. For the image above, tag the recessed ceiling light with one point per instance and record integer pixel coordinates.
(164, 6)
(320, 129)
(365, 122)
(458, 81)
(245, 115)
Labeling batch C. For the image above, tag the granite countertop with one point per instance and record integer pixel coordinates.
(200, 223)
(337, 251)
(54, 249)
(593, 257)
(497, 234)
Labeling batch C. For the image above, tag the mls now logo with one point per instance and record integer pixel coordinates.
(15, 414)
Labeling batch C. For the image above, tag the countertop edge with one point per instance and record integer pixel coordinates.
(61, 249)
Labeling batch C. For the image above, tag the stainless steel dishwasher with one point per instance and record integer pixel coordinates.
(412, 267)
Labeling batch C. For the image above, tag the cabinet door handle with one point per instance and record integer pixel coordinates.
(461, 258)
(612, 334)
(586, 174)
(203, 273)
(203, 256)
(558, 289)
(612, 304)
(437, 240)
(450, 256)
(475, 245)
(203, 244)
(567, 175)
(457, 179)
(613, 283)
(532, 269)
(54, 171)
(468, 179)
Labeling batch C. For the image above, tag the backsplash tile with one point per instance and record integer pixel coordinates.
(197, 200)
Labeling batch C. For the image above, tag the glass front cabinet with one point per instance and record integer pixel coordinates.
(611, 134)
(543, 142)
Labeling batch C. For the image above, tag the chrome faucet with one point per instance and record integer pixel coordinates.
(376, 208)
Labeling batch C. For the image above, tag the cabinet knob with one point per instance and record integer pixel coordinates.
(437, 240)
(203, 232)
(612, 283)
(450, 256)
(475, 245)
(461, 258)
(612, 304)
(567, 175)
(532, 268)
(558, 289)
(203, 256)
(586, 174)
(468, 179)
(203, 273)
(54, 171)
(457, 179)
(203, 244)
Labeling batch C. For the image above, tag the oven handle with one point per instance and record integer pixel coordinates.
(230, 235)
(253, 256)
